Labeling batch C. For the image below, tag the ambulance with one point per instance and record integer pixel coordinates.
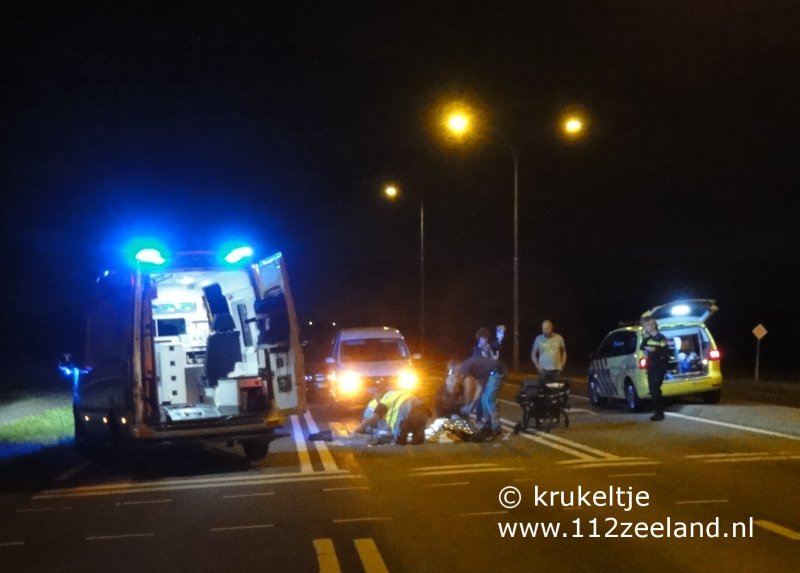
(198, 346)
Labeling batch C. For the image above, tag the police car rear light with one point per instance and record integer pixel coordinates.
(643, 363)
(714, 355)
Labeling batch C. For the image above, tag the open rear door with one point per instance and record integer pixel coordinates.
(279, 334)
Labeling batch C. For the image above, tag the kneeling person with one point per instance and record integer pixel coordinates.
(401, 412)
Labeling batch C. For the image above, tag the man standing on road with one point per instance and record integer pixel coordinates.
(549, 354)
(491, 373)
(657, 352)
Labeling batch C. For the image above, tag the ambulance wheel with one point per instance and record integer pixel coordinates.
(632, 401)
(712, 397)
(255, 450)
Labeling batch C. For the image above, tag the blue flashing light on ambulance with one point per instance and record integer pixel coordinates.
(193, 345)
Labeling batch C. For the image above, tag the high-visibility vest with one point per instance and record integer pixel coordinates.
(394, 400)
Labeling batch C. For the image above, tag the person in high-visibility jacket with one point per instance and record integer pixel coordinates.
(403, 412)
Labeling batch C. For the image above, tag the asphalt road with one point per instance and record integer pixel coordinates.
(346, 506)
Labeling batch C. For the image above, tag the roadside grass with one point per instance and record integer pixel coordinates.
(50, 427)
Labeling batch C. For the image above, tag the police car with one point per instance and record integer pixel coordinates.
(618, 369)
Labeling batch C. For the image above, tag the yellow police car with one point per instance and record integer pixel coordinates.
(618, 369)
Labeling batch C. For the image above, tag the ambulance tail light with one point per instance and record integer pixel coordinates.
(714, 354)
(642, 363)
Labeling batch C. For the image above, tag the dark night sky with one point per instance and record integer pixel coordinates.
(280, 121)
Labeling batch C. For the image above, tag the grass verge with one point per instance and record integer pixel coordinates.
(50, 427)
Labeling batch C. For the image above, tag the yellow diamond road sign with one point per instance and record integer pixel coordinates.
(759, 331)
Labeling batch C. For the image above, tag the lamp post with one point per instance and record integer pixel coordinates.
(459, 123)
(392, 192)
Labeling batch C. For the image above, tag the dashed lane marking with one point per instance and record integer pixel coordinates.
(779, 529)
(454, 483)
(11, 543)
(370, 556)
(586, 457)
(242, 527)
(232, 481)
(734, 426)
(73, 471)
(122, 536)
(743, 457)
(322, 448)
(450, 467)
(326, 556)
(300, 443)
(357, 519)
(144, 502)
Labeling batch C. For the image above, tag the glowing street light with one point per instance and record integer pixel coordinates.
(458, 123)
(392, 192)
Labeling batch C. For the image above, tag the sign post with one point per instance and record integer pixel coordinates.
(759, 332)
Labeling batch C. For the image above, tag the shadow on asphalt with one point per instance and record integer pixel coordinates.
(62, 465)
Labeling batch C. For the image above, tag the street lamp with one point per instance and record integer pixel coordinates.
(392, 192)
(458, 122)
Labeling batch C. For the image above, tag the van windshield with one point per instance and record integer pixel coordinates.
(373, 350)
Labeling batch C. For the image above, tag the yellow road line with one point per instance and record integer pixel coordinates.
(370, 556)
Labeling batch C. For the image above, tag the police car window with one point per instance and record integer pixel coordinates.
(630, 343)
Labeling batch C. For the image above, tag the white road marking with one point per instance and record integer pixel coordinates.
(586, 456)
(725, 455)
(465, 471)
(73, 470)
(326, 556)
(779, 529)
(144, 502)
(752, 459)
(452, 467)
(571, 410)
(578, 445)
(743, 457)
(370, 556)
(480, 513)
(233, 481)
(11, 543)
(248, 495)
(355, 519)
(613, 464)
(447, 484)
(322, 448)
(32, 510)
(688, 502)
(345, 488)
(302, 449)
(123, 536)
(735, 426)
(241, 527)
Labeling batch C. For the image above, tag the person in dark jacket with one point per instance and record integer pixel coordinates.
(657, 352)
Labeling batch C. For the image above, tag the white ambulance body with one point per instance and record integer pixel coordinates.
(190, 347)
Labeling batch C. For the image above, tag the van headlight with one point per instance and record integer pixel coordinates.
(349, 382)
(408, 380)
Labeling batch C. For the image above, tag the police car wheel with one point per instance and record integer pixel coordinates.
(631, 398)
(594, 395)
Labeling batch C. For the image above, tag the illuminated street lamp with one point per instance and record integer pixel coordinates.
(392, 192)
(458, 121)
